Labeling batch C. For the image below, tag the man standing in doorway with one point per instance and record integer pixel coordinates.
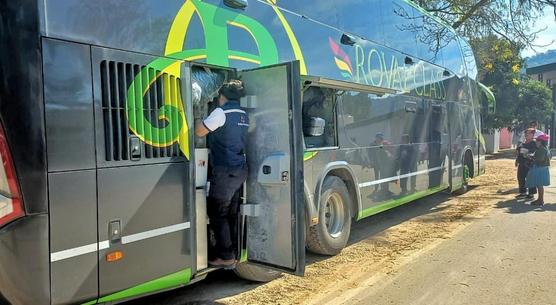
(227, 129)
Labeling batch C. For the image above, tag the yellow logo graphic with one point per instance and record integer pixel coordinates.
(215, 21)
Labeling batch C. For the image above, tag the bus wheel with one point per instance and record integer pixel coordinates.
(331, 234)
(464, 186)
(256, 273)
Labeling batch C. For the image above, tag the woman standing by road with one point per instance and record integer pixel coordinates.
(539, 174)
(523, 163)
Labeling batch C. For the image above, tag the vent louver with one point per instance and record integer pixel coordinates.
(116, 77)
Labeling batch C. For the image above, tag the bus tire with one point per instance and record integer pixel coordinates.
(331, 234)
(256, 273)
(465, 186)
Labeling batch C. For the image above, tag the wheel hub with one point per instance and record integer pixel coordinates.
(334, 215)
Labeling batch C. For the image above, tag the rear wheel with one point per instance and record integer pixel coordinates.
(256, 273)
(331, 234)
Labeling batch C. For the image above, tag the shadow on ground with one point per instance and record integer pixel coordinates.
(515, 206)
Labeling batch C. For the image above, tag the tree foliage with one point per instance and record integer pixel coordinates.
(498, 31)
(512, 20)
(499, 65)
(519, 101)
(534, 103)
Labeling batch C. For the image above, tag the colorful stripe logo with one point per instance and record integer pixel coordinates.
(341, 59)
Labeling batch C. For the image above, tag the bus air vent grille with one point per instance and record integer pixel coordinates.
(125, 120)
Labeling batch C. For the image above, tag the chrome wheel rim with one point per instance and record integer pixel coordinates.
(334, 214)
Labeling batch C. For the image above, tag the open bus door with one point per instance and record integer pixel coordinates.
(273, 214)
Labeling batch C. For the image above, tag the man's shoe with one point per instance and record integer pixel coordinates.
(537, 202)
(530, 196)
(223, 263)
(520, 196)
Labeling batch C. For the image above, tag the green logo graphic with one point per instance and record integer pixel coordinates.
(215, 22)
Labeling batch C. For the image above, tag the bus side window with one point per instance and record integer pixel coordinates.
(320, 104)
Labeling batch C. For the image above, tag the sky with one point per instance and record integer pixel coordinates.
(548, 36)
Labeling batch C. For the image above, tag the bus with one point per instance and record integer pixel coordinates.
(356, 107)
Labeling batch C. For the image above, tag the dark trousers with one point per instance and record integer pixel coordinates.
(522, 171)
(222, 208)
(406, 169)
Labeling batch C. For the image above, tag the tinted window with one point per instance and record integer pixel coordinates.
(378, 120)
(469, 58)
(320, 103)
(362, 17)
(323, 11)
(453, 60)
(399, 26)
(431, 38)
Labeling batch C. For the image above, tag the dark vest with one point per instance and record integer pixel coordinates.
(227, 143)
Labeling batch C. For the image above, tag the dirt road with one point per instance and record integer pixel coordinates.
(479, 248)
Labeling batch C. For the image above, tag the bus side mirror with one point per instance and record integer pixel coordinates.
(313, 127)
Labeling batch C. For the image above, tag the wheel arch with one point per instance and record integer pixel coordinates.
(343, 171)
(467, 159)
(311, 211)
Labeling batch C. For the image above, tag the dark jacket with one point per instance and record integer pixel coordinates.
(227, 143)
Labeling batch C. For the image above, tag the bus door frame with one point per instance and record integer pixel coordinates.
(259, 246)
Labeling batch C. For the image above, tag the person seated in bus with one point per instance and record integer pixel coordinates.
(227, 126)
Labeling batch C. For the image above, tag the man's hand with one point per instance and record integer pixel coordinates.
(200, 129)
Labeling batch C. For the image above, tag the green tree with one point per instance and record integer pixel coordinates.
(535, 104)
(499, 65)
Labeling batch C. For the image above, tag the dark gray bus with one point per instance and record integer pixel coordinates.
(354, 110)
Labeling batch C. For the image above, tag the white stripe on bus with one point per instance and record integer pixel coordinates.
(65, 254)
(154, 233)
(103, 245)
(371, 183)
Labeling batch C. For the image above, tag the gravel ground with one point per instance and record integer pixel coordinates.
(380, 246)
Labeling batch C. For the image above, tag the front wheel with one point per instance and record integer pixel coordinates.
(331, 234)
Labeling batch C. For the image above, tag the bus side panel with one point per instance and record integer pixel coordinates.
(70, 138)
(24, 261)
(142, 199)
(68, 94)
(73, 224)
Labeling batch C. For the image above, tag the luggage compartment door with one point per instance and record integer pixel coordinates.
(145, 182)
(274, 209)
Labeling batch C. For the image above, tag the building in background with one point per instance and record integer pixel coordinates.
(547, 74)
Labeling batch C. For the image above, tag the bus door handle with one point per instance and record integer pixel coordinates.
(115, 230)
(135, 148)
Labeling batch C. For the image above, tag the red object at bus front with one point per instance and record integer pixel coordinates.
(14, 196)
